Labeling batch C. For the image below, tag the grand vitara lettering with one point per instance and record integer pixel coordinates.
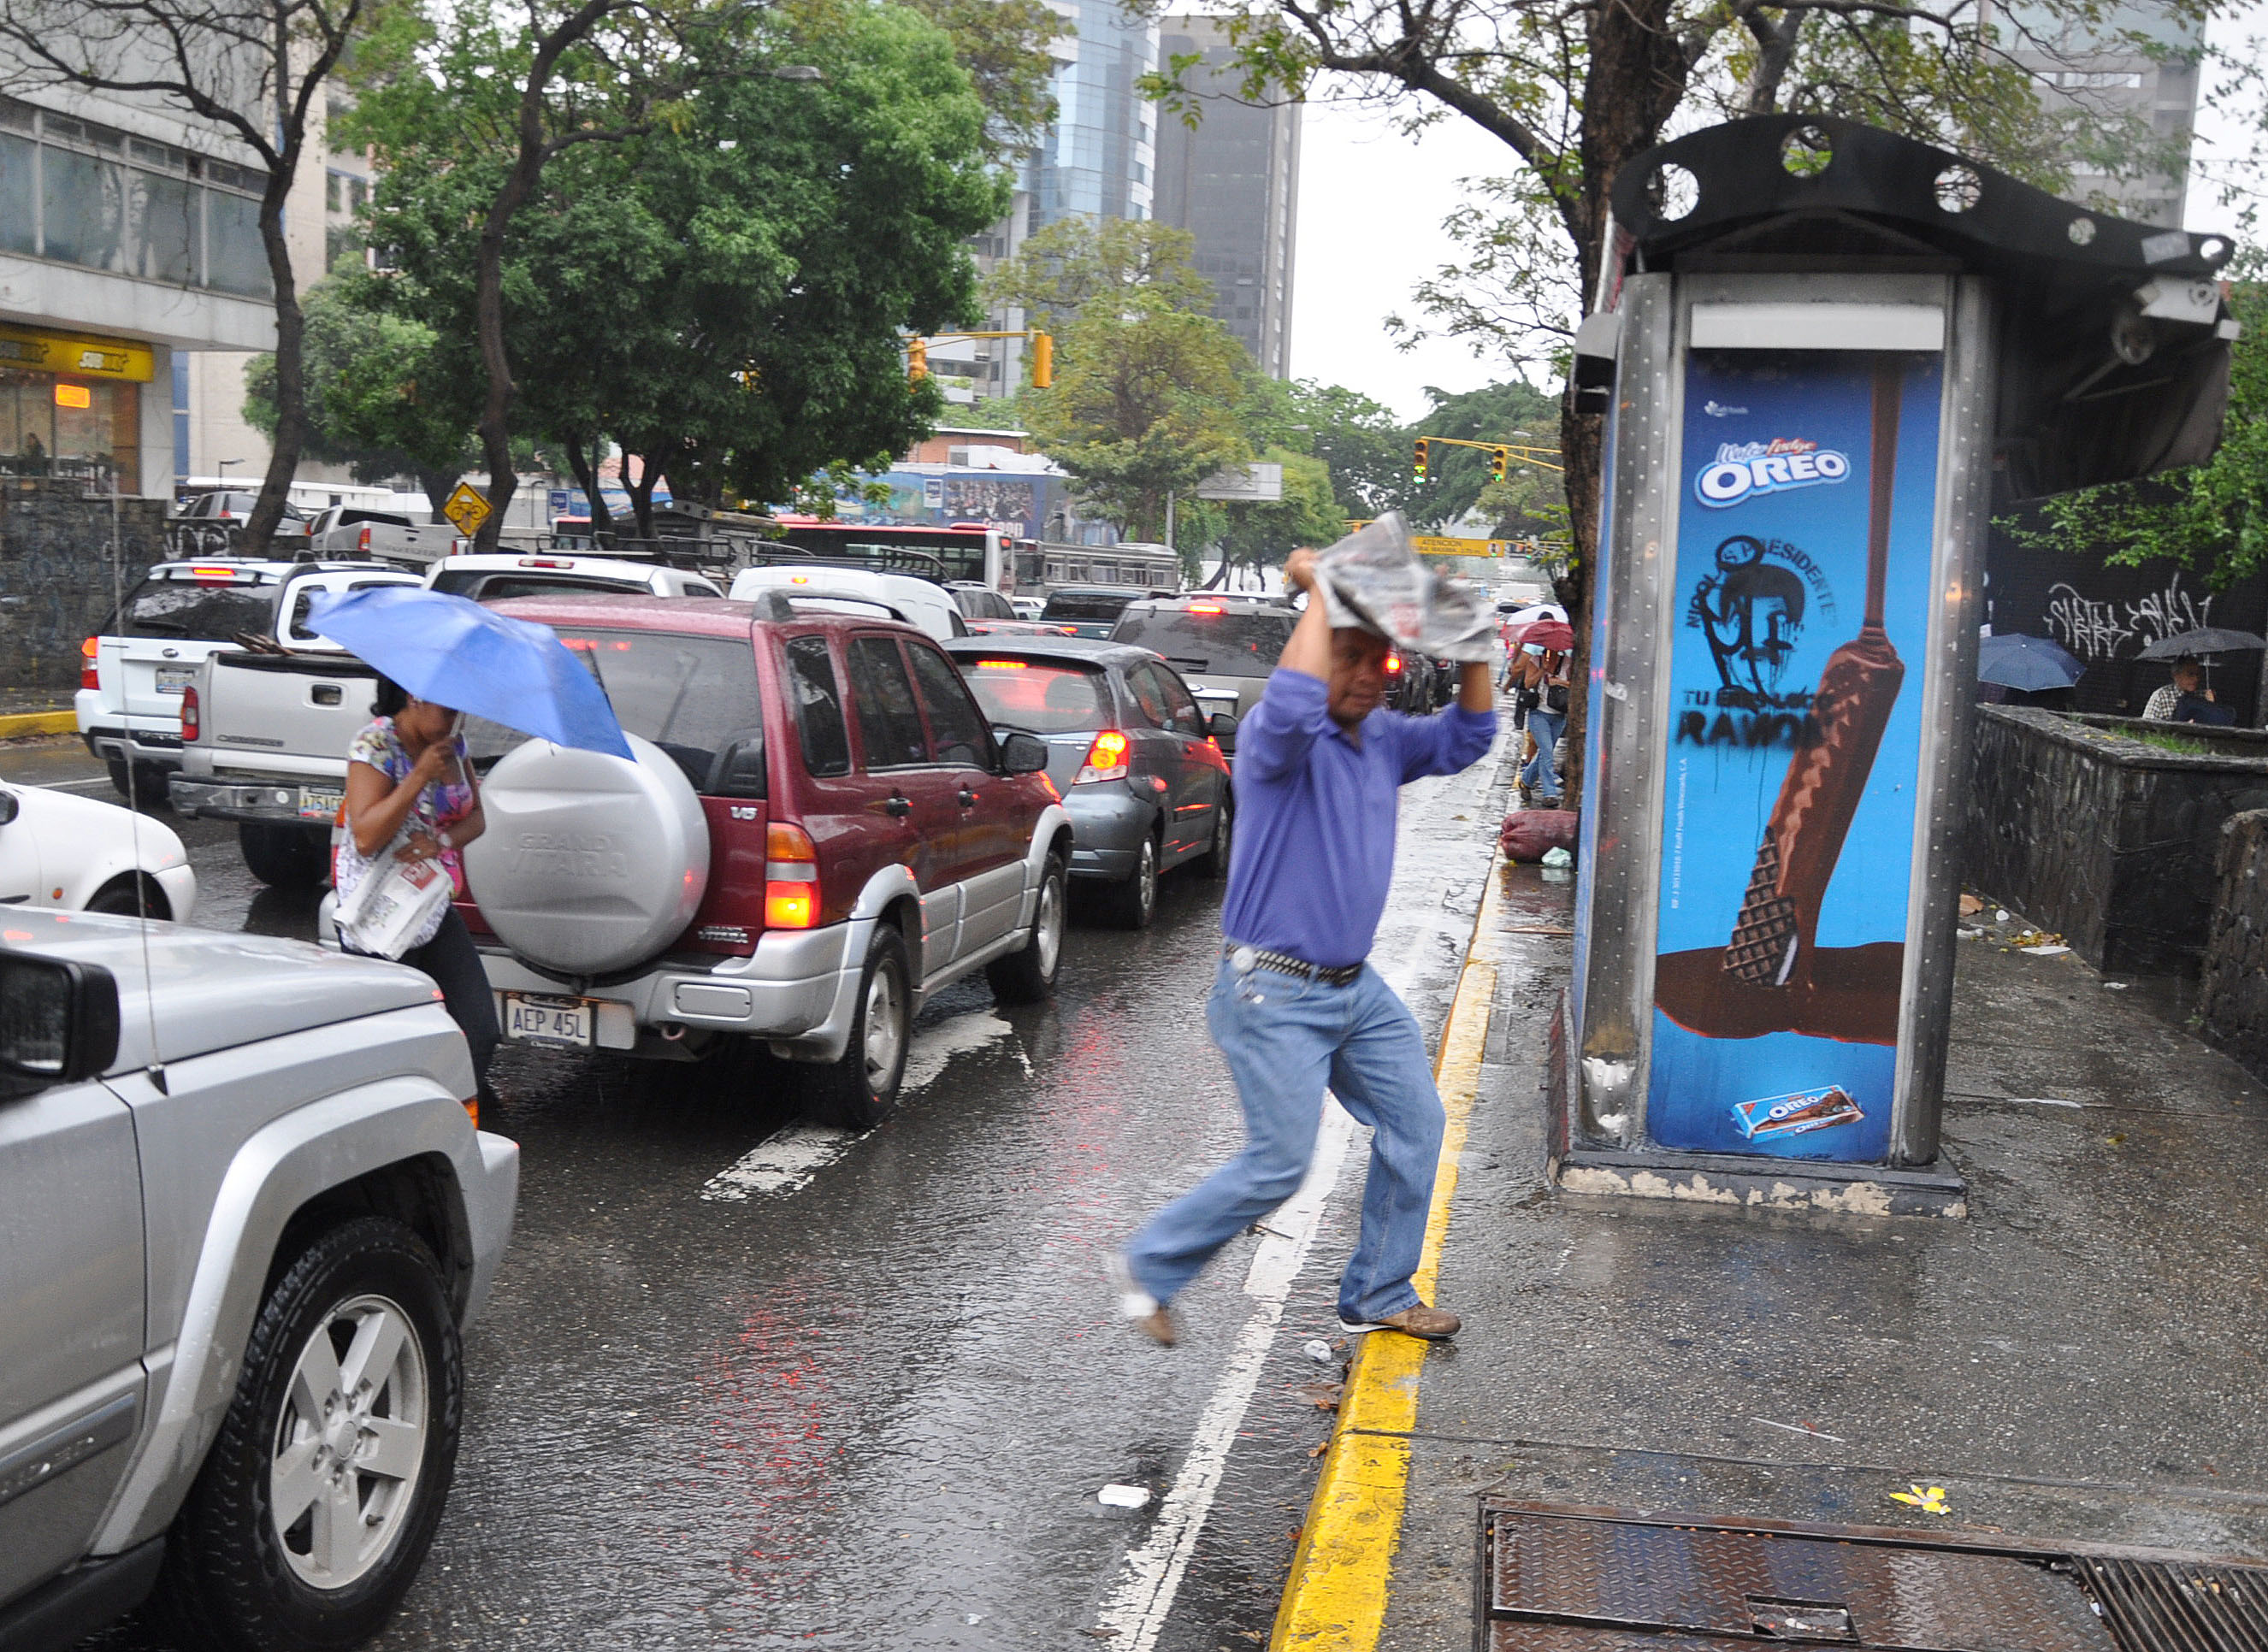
(588, 855)
(1741, 470)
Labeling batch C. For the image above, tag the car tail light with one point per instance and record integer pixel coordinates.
(210, 575)
(1106, 759)
(1394, 665)
(361, 540)
(192, 717)
(791, 878)
(90, 664)
(473, 1109)
(1206, 607)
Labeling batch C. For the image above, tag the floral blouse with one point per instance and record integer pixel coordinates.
(438, 806)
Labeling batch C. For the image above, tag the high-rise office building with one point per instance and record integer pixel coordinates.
(1233, 182)
(1098, 159)
(2102, 70)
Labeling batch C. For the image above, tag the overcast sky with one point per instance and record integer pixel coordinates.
(1371, 207)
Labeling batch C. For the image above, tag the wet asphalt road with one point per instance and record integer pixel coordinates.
(744, 1383)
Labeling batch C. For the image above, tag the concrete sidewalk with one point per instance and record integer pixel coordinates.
(2079, 1359)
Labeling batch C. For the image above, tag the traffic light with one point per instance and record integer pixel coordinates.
(1423, 446)
(916, 360)
(1499, 457)
(1043, 360)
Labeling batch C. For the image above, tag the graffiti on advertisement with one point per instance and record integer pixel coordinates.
(2106, 630)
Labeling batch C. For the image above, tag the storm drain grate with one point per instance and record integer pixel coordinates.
(1569, 1581)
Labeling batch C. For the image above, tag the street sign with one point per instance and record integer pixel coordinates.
(467, 509)
(1249, 484)
(1433, 544)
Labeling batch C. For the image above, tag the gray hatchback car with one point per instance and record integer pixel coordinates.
(1223, 646)
(1137, 762)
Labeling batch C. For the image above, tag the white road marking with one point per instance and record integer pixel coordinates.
(781, 1164)
(1137, 1607)
(64, 785)
(785, 1162)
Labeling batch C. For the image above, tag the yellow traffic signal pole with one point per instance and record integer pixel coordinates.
(1043, 352)
(1501, 454)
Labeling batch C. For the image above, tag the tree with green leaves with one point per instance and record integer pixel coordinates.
(1145, 405)
(2212, 516)
(1074, 265)
(1260, 535)
(380, 398)
(720, 296)
(1527, 503)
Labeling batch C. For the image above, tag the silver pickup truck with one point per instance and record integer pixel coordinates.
(392, 536)
(264, 740)
(245, 1220)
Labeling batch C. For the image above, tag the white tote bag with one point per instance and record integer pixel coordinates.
(393, 902)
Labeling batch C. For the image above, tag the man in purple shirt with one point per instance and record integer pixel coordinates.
(1294, 1007)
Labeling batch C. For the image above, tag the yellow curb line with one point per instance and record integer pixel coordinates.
(1336, 1596)
(23, 722)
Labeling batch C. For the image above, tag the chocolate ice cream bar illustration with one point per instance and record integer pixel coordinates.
(1779, 918)
(1796, 1114)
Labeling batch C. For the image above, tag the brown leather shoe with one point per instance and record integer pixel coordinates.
(1435, 1325)
(1158, 1325)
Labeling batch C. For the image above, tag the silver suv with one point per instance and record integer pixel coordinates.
(245, 1219)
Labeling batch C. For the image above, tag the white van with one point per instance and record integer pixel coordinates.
(930, 606)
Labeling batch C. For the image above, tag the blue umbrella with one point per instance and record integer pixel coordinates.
(458, 654)
(2026, 662)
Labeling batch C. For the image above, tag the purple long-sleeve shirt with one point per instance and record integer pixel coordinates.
(1315, 811)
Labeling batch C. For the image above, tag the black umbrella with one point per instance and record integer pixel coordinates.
(2028, 663)
(2208, 640)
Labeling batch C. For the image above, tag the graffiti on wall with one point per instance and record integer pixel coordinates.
(2118, 628)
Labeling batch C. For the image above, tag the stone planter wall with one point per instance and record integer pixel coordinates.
(2113, 840)
(56, 575)
(2233, 992)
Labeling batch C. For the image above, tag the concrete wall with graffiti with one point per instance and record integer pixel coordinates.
(2107, 616)
(55, 573)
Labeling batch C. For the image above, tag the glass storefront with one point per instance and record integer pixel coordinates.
(58, 425)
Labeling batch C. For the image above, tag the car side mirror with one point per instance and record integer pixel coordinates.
(58, 1022)
(1024, 754)
(1221, 726)
(11, 806)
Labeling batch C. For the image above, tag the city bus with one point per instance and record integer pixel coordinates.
(962, 550)
(1040, 566)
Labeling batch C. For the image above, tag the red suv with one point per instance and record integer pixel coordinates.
(819, 830)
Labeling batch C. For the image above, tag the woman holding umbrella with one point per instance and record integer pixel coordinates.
(1540, 669)
(410, 785)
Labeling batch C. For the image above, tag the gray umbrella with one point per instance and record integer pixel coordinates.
(2209, 640)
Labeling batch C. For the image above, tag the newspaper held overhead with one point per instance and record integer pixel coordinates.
(1374, 579)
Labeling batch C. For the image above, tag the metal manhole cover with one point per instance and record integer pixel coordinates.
(1568, 1581)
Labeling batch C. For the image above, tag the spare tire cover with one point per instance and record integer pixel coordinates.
(589, 864)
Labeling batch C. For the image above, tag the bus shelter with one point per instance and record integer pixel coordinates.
(1826, 354)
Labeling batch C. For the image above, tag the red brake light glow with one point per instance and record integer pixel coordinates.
(1106, 759)
(1003, 664)
(89, 670)
(1206, 607)
(205, 576)
(1394, 665)
(791, 877)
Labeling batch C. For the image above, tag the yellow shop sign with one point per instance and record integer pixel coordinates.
(71, 353)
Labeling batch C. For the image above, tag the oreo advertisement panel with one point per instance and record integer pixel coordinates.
(1801, 590)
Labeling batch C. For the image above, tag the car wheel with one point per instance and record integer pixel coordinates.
(320, 1497)
(856, 1092)
(1133, 903)
(141, 783)
(1028, 975)
(1214, 862)
(286, 856)
(121, 896)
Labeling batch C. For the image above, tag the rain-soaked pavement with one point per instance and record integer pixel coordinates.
(746, 1384)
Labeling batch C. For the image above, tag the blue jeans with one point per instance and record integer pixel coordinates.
(1284, 1038)
(1546, 726)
